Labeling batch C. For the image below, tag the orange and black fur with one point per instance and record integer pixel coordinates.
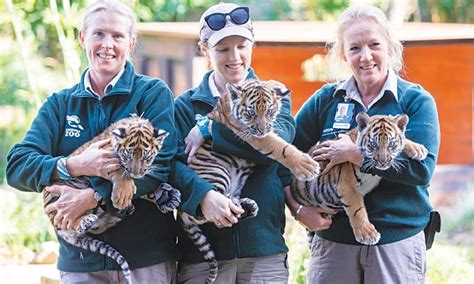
(380, 138)
(253, 107)
(136, 143)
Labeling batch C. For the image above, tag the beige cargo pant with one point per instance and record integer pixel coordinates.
(400, 262)
(257, 270)
(163, 273)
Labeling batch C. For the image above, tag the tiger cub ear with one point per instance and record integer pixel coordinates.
(362, 119)
(279, 88)
(160, 134)
(401, 120)
(234, 90)
(119, 132)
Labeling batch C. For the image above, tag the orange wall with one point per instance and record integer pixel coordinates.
(445, 70)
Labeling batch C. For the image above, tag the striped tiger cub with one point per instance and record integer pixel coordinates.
(380, 138)
(249, 110)
(136, 142)
(255, 106)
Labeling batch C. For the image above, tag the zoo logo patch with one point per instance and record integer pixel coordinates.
(73, 127)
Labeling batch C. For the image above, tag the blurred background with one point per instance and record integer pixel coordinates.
(40, 54)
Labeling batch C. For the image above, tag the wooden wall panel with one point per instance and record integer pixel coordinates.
(445, 70)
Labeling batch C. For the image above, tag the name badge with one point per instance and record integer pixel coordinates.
(343, 117)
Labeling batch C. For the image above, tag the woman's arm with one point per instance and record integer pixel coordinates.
(197, 193)
(32, 162)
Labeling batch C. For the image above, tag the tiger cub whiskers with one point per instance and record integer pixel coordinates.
(268, 142)
(252, 106)
(380, 139)
(128, 135)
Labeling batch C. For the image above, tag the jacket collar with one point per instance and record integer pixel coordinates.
(122, 87)
(203, 91)
(348, 89)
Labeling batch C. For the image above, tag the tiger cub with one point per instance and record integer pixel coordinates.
(250, 111)
(380, 138)
(136, 142)
(255, 106)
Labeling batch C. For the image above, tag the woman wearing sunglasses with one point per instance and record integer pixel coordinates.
(252, 250)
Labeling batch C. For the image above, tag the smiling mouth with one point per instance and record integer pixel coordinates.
(369, 67)
(234, 66)
(102, 56)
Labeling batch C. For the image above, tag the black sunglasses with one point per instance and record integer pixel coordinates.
(217, 21)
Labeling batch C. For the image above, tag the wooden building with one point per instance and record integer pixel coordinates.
(440, 57)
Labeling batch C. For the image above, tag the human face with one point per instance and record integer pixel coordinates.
(230, 59)
(108, 43)
(367, 53)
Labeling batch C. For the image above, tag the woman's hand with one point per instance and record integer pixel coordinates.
(219, 209)
(71, 204)
(312, 218)
(193, 141)
(94, 161)
(337, 151)
(309, 216)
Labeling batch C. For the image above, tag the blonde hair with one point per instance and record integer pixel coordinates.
(365, 12)
(110, 6)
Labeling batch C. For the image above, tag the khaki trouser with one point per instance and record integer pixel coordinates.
(400, 262)
(257, 270)
(163, 273)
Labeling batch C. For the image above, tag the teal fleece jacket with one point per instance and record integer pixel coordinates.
(254, 237)
(399, 206)
(147, 237)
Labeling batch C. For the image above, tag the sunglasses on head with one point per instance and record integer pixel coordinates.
(239, 16)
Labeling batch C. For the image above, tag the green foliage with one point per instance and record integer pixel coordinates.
(23, 222)
(447, 11)
(458, 269)
(323, 10)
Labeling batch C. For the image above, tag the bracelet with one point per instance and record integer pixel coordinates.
(298, 211)
(61, 168)
(202, 123)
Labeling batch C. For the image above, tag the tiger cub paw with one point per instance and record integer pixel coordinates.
(166, 197)
(366, 234)
(250, 208)
(305, 168)
(122, 193)
(417, 152)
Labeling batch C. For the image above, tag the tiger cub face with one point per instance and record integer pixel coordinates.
(256, 104)
(137, 142)
(381, 139)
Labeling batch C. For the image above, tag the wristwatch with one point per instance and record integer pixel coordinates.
(98, 197)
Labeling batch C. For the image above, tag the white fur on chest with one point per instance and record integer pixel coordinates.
(367, 183)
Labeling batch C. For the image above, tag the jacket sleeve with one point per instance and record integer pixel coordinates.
(422, 128)
(31, 163)
(158, 107)
(192, 187)
(307, 132)
(224, 140)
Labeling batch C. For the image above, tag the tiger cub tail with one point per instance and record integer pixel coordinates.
(190, 226)
(93, 245)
